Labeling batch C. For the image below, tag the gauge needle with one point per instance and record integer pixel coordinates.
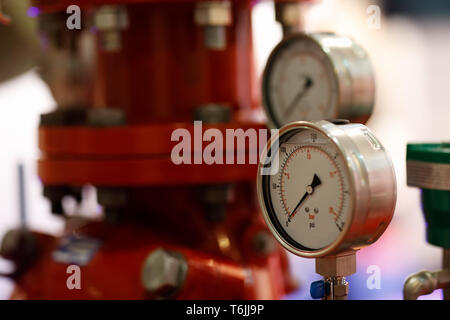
(309, 190)
(308, 84)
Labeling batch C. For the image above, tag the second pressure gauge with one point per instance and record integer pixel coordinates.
(315, 77)
(333, 189)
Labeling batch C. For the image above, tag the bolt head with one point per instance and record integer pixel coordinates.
(264, 243)
(163, 273)
(212, 113)
(111, 18)
(106, 117)
(213, 13)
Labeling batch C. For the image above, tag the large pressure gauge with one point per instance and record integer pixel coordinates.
(315, 77)
(333, 187)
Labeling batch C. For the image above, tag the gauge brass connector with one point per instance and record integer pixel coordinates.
(342, 265)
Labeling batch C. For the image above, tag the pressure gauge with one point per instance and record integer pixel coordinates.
(315, 77)
(326, 187)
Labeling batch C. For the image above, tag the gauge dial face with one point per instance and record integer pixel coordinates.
(300, 83)
(309, 198)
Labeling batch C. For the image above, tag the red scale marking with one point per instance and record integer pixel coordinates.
(309, 149)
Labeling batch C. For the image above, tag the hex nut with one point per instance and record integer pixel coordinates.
(215, 198)
(112, 197)
(164, 273)
(264, 243)
(341, 265)
(340, 290)
(214, 194)
(212, 113)
(106, 117)
(288, 14)
(66, 116)
(213, 13)
(111, 18)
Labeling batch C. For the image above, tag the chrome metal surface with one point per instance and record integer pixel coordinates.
(372, 185)
(352, 73)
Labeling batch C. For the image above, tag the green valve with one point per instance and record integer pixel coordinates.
(428, 167)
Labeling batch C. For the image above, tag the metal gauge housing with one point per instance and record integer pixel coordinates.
(333, 187)
(315, 77)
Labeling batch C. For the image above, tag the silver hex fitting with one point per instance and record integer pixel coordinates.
(289, 15)
(110, 21)
(339, 265)
(340, 288)
(214, 16)
(164, 273)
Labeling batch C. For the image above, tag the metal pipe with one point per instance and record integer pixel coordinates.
(425, 282)
(22, 196)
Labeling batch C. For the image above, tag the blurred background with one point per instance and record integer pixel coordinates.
(410, 53)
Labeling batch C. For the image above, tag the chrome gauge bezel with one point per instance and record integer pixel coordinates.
(350, 66)
(354, 234)
(279, 50)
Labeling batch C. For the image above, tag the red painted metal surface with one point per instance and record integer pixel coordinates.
(169, 71)
(115, 270)
(100, 280)
(135, 156)
(162, 73)
(61, 5)
(139, 172)
(143, 140)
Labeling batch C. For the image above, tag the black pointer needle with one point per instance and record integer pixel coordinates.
(309, 190)
(308, 84)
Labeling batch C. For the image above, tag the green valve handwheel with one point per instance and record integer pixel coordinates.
(428, 167)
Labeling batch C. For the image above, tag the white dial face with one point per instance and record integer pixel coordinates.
(310, 195)
(300, 83)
